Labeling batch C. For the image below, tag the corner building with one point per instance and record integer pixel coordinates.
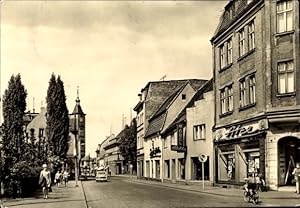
(257, 92)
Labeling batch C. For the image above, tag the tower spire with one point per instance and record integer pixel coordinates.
(77, 99)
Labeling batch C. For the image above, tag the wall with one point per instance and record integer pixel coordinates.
(202, 113)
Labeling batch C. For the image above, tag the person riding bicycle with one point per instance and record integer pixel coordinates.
(250, 185)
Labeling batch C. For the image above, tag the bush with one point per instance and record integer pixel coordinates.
(23, 179)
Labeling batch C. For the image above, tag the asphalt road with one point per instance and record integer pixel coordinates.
(121, 193)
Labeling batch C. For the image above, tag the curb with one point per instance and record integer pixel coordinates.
(206, 192)
(84, 195)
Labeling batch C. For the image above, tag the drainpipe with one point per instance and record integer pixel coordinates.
(162, 159)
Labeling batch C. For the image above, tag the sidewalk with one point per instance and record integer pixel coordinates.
(214, 190)
(61, 197)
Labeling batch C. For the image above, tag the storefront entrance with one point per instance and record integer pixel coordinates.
(288, 156)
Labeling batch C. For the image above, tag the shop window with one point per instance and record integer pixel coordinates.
(286, 77)
(253, 163)
(284, 16)
(148, 168)
(199, 132)
(181, 169)
(167, 168)
(226, 166)
(197, 169)
(157, 169)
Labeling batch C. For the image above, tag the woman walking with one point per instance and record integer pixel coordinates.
(58, 177)
(45, 180)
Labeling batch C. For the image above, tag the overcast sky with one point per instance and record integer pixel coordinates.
(109, 49)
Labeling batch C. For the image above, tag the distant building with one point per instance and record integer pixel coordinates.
(256, 51)
(113, 159)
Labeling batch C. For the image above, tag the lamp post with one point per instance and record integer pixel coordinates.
(75, 132)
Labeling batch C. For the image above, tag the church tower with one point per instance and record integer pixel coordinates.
(79, 117)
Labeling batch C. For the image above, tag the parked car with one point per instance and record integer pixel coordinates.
(101, 175)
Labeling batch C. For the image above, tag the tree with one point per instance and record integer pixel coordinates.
(57, 119)
(128, 143)
(13, 138)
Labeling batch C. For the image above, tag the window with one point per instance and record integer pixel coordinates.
(222, 56)
(243, 93)
(223, 101)
(226, 53)
(199, 132)
(284, 16)
(251, 36)
(226, 98)
(252, 89)
(183, 97)
(230, 98)
(286, 77)
(41, 132)
(242, 49)
(229, 51)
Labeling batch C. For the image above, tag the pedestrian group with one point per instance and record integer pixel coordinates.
(45, 179)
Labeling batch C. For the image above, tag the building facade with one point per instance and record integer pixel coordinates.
(256, 87)
(150, 99)
(113, 160)
(199, 138)
(157, 138)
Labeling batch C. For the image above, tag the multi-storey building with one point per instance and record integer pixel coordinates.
(150, 98)
(256, 86)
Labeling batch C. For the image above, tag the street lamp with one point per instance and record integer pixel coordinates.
(74, 131)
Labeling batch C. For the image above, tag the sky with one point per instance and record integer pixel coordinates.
(110, 49)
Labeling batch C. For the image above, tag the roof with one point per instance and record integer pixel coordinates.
(140, 103)
(156, 125)
(115, 141)
(156, 122)
(208, 86)
(78, 110)
(232, 12)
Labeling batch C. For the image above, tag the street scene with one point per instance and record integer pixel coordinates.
(149, 104)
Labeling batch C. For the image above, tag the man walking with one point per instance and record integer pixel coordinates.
(296, 173)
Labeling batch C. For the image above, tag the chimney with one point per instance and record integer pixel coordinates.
(140, 96)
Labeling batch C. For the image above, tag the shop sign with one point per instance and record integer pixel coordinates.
(180, 134)
(240, 130)
(178, 148)
(236, 131)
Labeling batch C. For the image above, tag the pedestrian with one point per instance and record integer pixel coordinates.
(57, 178)
(45, 180)
(65, 177)
(296, 173)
